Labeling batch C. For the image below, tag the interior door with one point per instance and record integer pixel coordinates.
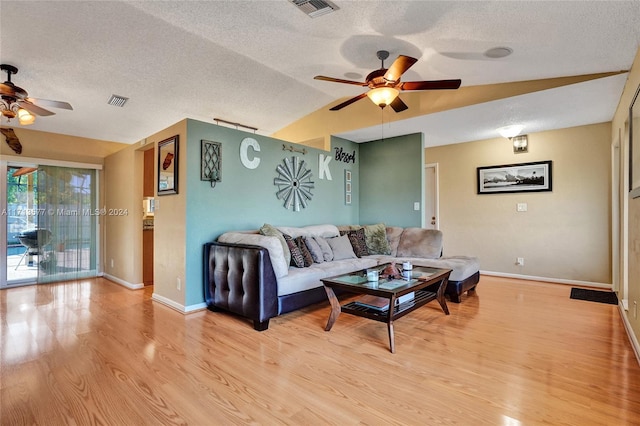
(431, 220)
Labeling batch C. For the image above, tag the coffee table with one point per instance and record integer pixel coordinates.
(422, 282)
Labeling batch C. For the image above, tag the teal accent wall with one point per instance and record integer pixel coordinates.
(245, 198)
(391, 173)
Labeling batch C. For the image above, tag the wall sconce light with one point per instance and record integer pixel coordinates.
(383, 96)
(520, 144)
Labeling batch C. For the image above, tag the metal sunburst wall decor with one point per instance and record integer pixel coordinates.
(294, 183)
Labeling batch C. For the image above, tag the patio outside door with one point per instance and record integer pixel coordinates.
(52, 231)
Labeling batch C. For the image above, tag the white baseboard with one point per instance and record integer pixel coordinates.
(549, 280)
(177, 306)
(123, 282)
(632, 337)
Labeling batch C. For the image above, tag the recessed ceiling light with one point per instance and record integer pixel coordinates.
(498, 52)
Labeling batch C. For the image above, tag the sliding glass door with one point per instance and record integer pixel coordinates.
(67, 223)
(51, 224)
(20, 214)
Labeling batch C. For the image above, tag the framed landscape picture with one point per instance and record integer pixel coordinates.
(524, 177)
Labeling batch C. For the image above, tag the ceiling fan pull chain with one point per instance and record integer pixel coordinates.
(382, 126)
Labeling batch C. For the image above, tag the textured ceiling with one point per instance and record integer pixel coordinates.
(253, 62)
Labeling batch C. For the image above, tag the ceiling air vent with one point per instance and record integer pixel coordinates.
(118, 101)
(315, 8)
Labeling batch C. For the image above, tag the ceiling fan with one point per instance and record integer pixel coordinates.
(14, 101)
(385, 83)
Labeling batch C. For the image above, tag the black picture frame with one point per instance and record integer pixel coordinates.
(634, 152)
(514, 178)
(168, 166)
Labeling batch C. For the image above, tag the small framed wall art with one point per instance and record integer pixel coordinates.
(347, 187)
(168, 166)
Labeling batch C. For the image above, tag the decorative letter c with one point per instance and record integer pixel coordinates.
(244, 147)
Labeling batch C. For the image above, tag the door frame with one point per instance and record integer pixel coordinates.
(12, 160)
(436, 197)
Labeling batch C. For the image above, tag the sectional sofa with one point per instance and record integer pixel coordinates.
(249, 273)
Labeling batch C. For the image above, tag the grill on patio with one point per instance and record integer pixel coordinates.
(33, 240)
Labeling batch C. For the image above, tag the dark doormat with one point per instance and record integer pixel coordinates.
(594, 296)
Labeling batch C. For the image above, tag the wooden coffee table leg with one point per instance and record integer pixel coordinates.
(335, 308)
(392, 340)
(440, 296)
(392, 343)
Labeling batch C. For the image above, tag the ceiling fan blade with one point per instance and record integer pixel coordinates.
(48, 103)
(430, 85)
(349, 102)
(339, 80)
(6, 89)
(34, 109)
(24, 171)
(398, 105)
(398, 67)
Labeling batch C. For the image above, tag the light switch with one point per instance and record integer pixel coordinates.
(521, 207)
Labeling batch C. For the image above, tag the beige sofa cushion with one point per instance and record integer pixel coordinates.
(325, 231)
(272, 244)
(393, 237)
(419, 242)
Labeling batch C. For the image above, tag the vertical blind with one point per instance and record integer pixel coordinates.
(67, 223)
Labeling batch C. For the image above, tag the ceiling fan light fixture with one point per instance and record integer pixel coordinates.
(25, 117)
(6, 109)
(383, 96)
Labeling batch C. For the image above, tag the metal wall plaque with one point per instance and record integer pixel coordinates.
(294, 183)
(211, 165)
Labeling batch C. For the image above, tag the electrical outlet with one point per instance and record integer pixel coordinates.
(416, 206)
(112, 263)
(520, 261)
(178, 283)
(521, 207)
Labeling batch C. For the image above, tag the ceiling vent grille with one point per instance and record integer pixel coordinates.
(118, 101)
(315, 8)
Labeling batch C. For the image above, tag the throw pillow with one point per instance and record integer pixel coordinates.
(327, 253)
(306, 255)
(296, 255)
(314, 249)
(341, 247)
(272, 231)
(419, 242)
(358, 242)
(376, 239)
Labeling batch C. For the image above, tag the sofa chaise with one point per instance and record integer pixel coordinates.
(249, 274)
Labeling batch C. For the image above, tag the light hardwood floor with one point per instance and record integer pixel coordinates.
(517, 352)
